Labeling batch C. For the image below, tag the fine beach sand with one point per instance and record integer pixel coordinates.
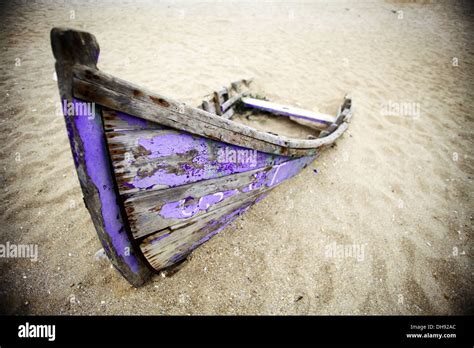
(400, 186)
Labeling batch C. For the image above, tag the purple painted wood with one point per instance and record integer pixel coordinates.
(147, 160)
(87, 140)
(181, 189)
(189, 206)
(98, 168)
(151, 212)
(184, 188)
(166, 247)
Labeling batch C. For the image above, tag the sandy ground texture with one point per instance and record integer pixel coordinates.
(397, 187)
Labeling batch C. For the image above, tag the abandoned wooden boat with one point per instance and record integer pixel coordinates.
(159, 177)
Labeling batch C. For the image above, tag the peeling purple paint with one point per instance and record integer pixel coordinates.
(95, 157)
(203, 165)
(182, 209)
(278, 173)
(286, 170)
(168, 145)
(190, 206)
(260, 180)
(206, 201)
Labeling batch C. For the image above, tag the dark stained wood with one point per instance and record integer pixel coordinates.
(145, 207)
(217, 102)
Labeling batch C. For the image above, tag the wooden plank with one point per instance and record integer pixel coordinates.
(228, 114)
(217, 102)
(226, 98)
(71, 47)
(343, 115)
(136, 107)
(223, 94)
(123, 96)
(147, 160)
(231, 101)
(117, 121)
(151, 212)
(166, 248)
(285, 110)
(209, 106)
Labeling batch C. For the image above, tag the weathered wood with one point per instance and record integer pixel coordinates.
(217, 102)
(223, 94)
(166, 248)
(226, 98)
(323, 134)
(219, 97)
(147, 160)
(209, 106)
(72, 47)
(285, 110)
(311, 124)
(151, 112)
(150, 167)
(117, 121)
(122, 96)
(151, 212)
(345, 112)
(228, 114)
(231, 101)
(202, 218)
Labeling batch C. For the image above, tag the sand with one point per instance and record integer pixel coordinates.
(397, 188)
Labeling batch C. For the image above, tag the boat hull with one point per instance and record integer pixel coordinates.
(159, 178)
(180, 189)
